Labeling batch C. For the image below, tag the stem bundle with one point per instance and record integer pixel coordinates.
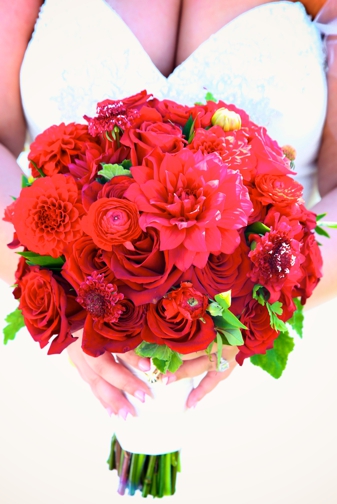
(151, 474)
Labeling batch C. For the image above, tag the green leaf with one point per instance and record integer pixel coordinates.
(44, 261)
(274, 361)
(175, 362)
(214, 309)
(320, 216)
(320, 231)
(161, 365)
(296, 321)
(219, 349)
(15, 322)
(112, 170)
(209, 348)
(331, 225)
(188, 126)
(257, 228)
(25, 182)
(233, 336)
(209, 97)
(229, 317)
(274, 310)
(224, 299)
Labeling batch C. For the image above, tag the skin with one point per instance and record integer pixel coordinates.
(187, 24)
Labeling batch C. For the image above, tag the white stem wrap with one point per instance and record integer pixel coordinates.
(161, 422)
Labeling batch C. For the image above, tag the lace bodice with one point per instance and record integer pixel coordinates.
(269, 61)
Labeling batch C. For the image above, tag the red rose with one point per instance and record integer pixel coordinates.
(114, 188)
(88, 163)
(311, 267)
(120, 336)
(259, 337)
(270, 157)
(56, 147)
(167, 325)
(149, 133)
(111, 221)
(224, 272)
(45, 305)
(147, 272)
(171, 111)
(82, 258)
(47, 215)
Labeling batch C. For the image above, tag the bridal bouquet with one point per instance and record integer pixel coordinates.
(167, 229)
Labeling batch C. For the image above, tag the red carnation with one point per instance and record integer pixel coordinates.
(47, 215)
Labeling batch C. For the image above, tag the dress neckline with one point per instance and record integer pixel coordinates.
(225, 27)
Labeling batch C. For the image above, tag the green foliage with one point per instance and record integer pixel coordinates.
(257, 228)
(112, 170)
(43, 261)
(296, 321)
(162, 356)
(15, 322)
(274, 361)
(209, 97)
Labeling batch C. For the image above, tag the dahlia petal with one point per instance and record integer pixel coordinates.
(212, 239)
(195, 239)
(230, 239)
(171, 237)
(182, 257)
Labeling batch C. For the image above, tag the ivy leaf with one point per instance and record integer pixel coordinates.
(296, 321)
(110, 171)
(274, 361)
(44, 261)
(15, 322)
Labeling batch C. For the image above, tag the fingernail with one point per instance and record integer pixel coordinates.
(144, 365)
(110, 411)
(192, 405)
(165, 380)
(123, 413)
(140, 395)
(172, 378)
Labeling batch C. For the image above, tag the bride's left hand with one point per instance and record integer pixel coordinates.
(198, 363)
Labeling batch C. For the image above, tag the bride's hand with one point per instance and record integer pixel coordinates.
(109, 380)
(198, 363)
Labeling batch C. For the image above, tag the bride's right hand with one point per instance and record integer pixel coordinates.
(109, 379)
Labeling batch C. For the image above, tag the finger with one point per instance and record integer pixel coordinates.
(112, 399)
(118, 375)
(200, 365)
(207, 384)
(134, 360)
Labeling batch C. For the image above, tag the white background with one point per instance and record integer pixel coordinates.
(255, 440)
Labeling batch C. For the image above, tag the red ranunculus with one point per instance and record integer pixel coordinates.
(280, 190)
(56, 147)
(47, 215)
(120, 336)
(44, 305)
(167, 324)
(150, 132)
(111, 221)
(147, 272)
(196, 203)
(259, 337)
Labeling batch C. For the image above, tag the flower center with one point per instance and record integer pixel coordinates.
(100, 298)
(276, 259)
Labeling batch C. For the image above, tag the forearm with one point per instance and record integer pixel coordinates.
(327, 287)
(9, 187)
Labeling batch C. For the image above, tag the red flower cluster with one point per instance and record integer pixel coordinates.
(151, 211)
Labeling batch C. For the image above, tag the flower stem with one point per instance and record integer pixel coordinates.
(133, 474)
(167, 474)
(123, 479)
(112, 459)
(149, 475)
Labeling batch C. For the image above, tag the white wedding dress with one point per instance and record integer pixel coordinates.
(254, 439)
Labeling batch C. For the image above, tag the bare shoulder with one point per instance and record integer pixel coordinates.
(17, 20)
